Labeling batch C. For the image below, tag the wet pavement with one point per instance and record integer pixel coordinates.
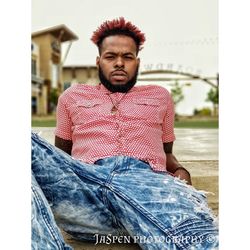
(196, 149)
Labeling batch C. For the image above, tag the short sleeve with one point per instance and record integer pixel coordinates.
(63, 120)
(168, 121)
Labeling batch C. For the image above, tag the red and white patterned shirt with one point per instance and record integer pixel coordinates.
(139, 125)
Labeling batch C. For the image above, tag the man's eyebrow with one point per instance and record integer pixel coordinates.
(110, 52)
(128, 53)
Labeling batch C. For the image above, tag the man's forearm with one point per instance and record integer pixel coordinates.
(65, 145)
(174, 167)
(172, 163)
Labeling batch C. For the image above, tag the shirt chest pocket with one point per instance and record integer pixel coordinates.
(86, 110)
(144, 109)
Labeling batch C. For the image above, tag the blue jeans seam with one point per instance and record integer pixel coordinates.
(140, 209)
(177, 230)
(46, 220)
(105, 189)
(147, 215)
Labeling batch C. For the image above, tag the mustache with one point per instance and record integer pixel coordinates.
(119, 71)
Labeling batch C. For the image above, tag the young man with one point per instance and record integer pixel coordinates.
(119, 176)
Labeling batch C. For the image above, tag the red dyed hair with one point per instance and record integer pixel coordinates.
(118, 27)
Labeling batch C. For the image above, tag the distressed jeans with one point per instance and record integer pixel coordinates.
(116, 198)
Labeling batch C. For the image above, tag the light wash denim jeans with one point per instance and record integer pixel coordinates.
(115, 198)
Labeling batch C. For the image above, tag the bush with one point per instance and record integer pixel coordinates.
(203, 112)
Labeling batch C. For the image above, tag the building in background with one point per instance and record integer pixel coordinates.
(36, 80)
(47, 63)
(85, 74)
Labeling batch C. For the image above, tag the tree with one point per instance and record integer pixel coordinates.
(53, 98)
(177, 95)
(213, 96)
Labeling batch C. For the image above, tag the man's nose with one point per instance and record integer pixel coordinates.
(119, 62)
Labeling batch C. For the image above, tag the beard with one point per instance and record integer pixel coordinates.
(123, 88)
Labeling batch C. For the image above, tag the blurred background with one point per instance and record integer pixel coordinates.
(180, 52)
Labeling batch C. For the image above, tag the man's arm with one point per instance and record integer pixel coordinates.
(173, 166)
(65, 145)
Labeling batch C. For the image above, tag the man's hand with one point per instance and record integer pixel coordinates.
(173, 166)
(183, 174)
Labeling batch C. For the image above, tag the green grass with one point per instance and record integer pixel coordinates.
(197, 124)
(43, 123)
(182, 123)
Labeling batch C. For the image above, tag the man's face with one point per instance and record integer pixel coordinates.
(118, 64)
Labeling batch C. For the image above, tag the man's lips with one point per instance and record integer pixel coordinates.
(119, 75)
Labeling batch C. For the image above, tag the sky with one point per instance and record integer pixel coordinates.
(181, 35)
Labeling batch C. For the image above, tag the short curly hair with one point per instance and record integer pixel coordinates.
(118, 27)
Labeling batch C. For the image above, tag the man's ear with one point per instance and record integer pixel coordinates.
(97, 61)
(138, 61)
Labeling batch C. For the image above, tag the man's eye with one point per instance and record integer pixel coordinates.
(129, 57)
(109, 57)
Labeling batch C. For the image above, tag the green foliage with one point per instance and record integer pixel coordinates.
(213, 96)
(176, 93)
(203, 112)
(54, 96)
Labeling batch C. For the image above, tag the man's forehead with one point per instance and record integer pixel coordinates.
(118, 43)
